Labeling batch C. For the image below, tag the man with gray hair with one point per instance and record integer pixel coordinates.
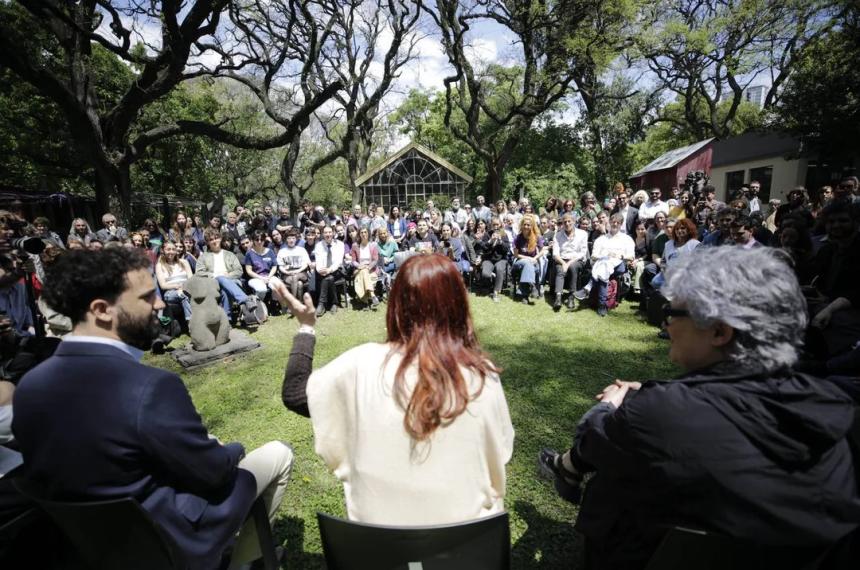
(111, 230)
(739, 445)
(481, 211)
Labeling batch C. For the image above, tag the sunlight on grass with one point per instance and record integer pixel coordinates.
(554, 364)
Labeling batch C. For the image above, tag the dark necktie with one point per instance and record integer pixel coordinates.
(328, 256)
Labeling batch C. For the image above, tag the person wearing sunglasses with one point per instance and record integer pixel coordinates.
(739, 445)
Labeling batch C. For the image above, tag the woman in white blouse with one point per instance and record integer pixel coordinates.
(417, 428)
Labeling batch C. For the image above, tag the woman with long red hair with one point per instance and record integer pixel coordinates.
(417, 428)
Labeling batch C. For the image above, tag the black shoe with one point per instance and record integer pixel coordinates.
(320, 310)
(374, 303)
(570, 301)
(557, 305)
(663, 334)
(568, 485)
(601, 311)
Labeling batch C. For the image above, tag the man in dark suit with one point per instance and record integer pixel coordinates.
(630, 213)
(93, 423)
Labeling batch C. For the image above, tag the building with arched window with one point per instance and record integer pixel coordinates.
(412, 174)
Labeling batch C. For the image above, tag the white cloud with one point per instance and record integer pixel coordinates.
(481, 52)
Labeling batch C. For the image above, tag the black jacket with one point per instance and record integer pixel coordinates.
(762, 458)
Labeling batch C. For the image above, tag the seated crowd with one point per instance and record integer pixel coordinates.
(744, 444)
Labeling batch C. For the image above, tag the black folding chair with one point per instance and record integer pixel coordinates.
(119, 533)
(484, 544)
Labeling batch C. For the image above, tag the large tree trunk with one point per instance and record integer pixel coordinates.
(493, 184)
(113, 181)
(354, 173)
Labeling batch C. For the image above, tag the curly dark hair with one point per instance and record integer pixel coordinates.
(78, 277)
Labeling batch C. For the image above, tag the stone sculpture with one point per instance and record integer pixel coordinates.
(209, 326)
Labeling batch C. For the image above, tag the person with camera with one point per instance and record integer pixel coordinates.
(733, 446)
(493, 250)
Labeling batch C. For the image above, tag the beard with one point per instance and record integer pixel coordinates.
(138, 332)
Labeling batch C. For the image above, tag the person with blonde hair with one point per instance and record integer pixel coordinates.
(529, 255)
(417, 428)
(365, 261)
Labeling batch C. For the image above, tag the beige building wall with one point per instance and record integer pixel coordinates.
(786, 175)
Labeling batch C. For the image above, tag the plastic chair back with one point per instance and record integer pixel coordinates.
(114, 534)
(484, 544)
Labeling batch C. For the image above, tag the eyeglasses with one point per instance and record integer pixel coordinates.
(670, 313)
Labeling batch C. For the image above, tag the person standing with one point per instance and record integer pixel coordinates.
(95, 424)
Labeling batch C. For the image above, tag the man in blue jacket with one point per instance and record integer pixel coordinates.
(93, 423)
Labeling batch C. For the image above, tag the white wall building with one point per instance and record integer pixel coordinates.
(772, 159)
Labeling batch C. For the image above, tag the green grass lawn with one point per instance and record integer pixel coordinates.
(554, 364)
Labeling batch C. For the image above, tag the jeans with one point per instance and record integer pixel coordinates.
(173, 295)
(231, 291)
(602, 286)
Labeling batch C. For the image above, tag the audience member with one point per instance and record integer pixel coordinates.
(387, 248)
(493, 250)
(649, 209)
(41, 225)
(735, 444)
(261, 267)
(629, 212)
(529, 253)
(722, 235)
(430, 396)
(364, 256)
(570, 253)
(172, 272)
(612, 254)
(81, 232)
(293, 262)
(481, 211)
(135, 430)
(111, 231)
(424, 241)
(742, 232)
(222, 265)
(329, 255)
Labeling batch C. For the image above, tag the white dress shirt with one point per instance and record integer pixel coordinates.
(321, 254)
(570, 248)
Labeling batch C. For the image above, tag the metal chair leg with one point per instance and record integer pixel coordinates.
(264, 535)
